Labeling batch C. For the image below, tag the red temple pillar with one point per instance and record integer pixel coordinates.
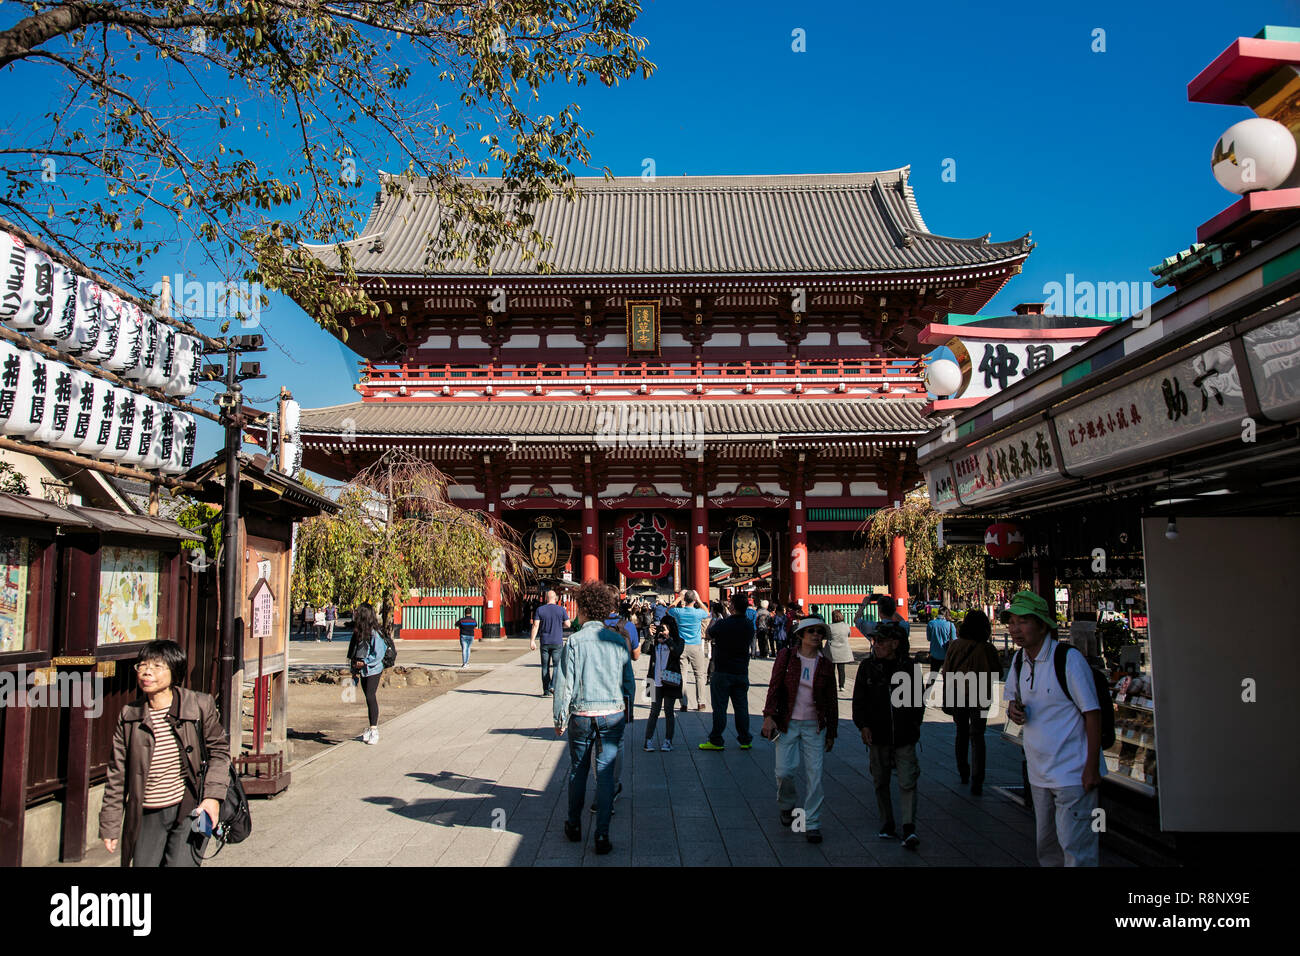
(700, 548)
(898, 560)
(492, 586)
(590, 552)
(798, 541)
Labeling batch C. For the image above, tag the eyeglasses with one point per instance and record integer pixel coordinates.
(153, 667)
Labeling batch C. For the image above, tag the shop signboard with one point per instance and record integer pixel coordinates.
(1010, 464)
(1273, 351)
(943, 493)
(1190, 403)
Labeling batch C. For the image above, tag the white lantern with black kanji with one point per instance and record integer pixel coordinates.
(186, 437)
(37, 305)
(129, 337)
(81, 399)
(110, 326)
(147, 367)
(103, 415)
(61, 385)
(14, 367)
(160, 453)
(86, 320)
(13, 271)
(58, 330)
(149, 441)
(33, 411)
(186, 358)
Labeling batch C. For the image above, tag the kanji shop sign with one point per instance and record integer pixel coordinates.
(991, 363)
(1273, 351)
(642, 548)
(1011, 463)
(1181, 406)
(943, 493)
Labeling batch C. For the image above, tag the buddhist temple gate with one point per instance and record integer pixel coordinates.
(704, 350)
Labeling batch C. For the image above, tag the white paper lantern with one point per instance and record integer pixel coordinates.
(147, 441)
(15, 367)
(59, 400)
(149, 370)
(80, 406)
(130, 335)
(110, 307)
(164, 443)
(1254, 154)
(34, 408)
(185, 437)
(187, 355)
(292, 417)
(37, 306)
(58, 330)
(103, 413)
(164, 366)
(291, 458)
(13, 270)
(88, 307)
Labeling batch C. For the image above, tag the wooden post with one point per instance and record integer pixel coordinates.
(13, 786)
(700, 548)
(798, 539)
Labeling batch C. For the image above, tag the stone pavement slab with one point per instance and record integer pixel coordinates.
(477, 777)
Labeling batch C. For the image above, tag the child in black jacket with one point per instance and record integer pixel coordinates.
(888, 708)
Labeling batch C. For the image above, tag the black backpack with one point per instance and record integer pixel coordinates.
(236, 821)
(1099, 681)
(390, 652)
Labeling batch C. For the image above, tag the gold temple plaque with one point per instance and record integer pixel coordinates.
(643, 327)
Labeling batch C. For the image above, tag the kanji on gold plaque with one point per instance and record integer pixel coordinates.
(642, 326)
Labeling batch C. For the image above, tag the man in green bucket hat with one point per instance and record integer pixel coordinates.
(1062, 733)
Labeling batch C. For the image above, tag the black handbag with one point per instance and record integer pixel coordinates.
(236, 821)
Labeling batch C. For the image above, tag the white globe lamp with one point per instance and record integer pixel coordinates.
(943, 377)
(1252, 155)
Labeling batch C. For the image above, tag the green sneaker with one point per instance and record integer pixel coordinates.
(707, 745)
(747, 746)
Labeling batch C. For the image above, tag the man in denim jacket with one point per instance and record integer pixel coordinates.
(594, 680)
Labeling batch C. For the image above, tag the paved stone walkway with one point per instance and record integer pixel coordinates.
(478, 777)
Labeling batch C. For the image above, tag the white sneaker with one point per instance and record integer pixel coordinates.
(374, 736)
(365, 738)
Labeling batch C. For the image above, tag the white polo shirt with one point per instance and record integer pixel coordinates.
(1054, 737)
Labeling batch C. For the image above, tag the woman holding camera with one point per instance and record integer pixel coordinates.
(160, 801)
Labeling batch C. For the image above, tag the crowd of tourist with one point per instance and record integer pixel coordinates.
(591, 681)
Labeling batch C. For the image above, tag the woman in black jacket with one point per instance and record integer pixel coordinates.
(664, 647)
(889, 712)
(968, 698)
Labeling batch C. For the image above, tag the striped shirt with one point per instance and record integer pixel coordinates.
(165, 784)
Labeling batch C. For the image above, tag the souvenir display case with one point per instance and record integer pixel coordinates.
(1131, 760)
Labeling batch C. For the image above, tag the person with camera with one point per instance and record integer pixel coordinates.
(801, 716)
(664, 647)
(691, 614)
(1062, 733)
(169, 768)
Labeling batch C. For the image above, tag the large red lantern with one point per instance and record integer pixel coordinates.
(1004, 541)
(643, 547)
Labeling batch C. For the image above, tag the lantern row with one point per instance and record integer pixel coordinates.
(75, 315)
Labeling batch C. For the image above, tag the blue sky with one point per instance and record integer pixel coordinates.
(1098, 154)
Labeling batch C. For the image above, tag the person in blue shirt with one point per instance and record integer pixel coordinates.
(690, 614)
(751, 614)
(467, 626)
(549, 622)
(940, 632)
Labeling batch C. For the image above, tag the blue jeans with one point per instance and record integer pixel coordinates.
(734, 688)
(606, 735)
(802, 743)
(464, 649)
(550, 664)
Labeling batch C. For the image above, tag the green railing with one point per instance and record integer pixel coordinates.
(840, 514)
(417, 617)
(449, 592)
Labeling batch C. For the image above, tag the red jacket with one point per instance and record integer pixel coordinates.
(784, 688)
